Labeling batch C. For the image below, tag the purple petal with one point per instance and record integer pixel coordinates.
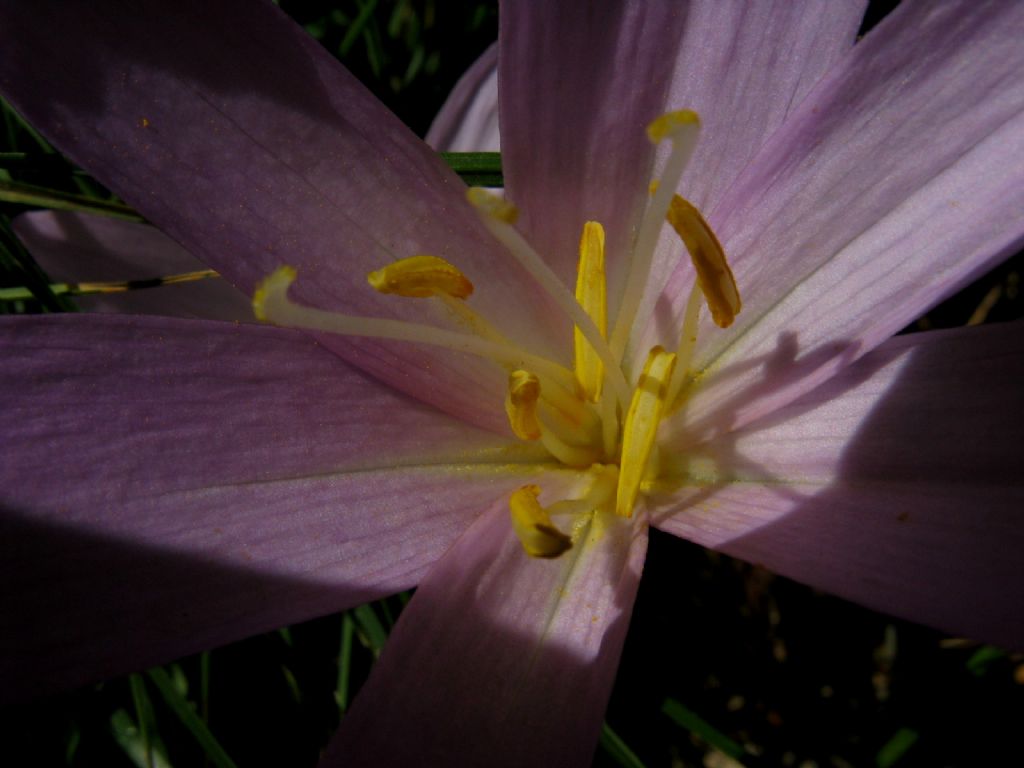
(252, 160)
(743, 67)
(896, 484)
(577, 91)
(468, 121)
(74, 247)
(195, 482)
(500, 660)
(897, 181)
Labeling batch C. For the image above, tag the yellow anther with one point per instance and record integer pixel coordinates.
(669, 124)
(591, 294)
(492, 205)
(420, 277)
(276, 283)
(713, 274)
(641, 426)
(533, 526)
(521, 404)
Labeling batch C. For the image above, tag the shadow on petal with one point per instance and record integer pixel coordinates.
(104, 607)
(897, 484)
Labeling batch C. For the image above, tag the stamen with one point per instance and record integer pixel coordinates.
(687, 342)
(683, 128)
(609, 425)
(420, 277)
(432, 277)
(601, 491)
(533, 526)
(591, 294)
(641, 426)
(671, 124)
(493, 205)
(271, 304)
(508, 236)
(471, 319)
(713, 273)
(556, 433)
(560, 443)
(521, 404)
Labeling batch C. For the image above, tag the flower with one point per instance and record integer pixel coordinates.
(212, 479)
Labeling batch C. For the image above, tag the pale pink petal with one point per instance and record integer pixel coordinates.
(468, 121)
(500, 659)
(193, 482)
(236, 133)
(577, 92)
(897, 484)
(897, 181)
(744, 67)
(74, 247)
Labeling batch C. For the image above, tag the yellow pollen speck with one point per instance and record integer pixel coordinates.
(533, 526)
(713, 273)
(521, 404)
(670, 123)
(420, 277)
(280, 277)
(492, 205)
(591, 294)
(641, 426)
(653, 187)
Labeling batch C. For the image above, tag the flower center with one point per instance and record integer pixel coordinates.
(591, 417)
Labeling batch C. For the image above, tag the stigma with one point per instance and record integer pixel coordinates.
(597, 415)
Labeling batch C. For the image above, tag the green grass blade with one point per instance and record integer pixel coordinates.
(178, 679)
(370, 628)
(40, 162)
(894, 749)
(692, 722)
(389, 617)
(292, 683)
(204, 686)
(483, 179)
(476, 169)
(348, 629)
(374, 51)
(358, 24)
(134, 743)
(21, 293)
(981, 658)
(415, 65)
(72, 742)
(473, 162)
(401, 16)
(17, 262)
(16, 123)
(617, 749)
(188, 717)
(147, 723)
(28, 194)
